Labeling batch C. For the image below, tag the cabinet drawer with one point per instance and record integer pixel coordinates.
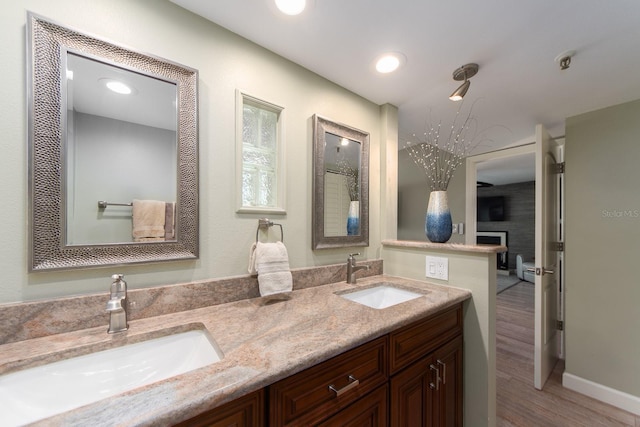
(244, 411)
(410, 343)
(371, 410)
(305, 398)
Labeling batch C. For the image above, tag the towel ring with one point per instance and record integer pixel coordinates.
(266, 223)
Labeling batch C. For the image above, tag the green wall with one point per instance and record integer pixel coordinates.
(603, 246)
(413, 197)
(226, 62)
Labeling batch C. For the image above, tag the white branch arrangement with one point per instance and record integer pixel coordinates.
(351, 175)
(440, 158)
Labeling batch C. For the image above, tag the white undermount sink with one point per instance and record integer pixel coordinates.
(381, 296)
(46, 390)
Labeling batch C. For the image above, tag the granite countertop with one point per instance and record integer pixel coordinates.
(453, 247)
(263, 340)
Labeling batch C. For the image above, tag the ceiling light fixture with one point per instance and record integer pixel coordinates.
(463, 73)
(291, 7)
(564, 59)
(117, 86)
(390, 62)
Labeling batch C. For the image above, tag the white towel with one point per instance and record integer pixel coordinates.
(148, 219)
(252, 260)
(271, 262)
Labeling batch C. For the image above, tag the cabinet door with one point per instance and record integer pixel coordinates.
(429, 392)
(448, 397)
(412, 395)
(247, 411)
(369, 411)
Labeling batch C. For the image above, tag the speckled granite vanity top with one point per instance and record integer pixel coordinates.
(263, 340)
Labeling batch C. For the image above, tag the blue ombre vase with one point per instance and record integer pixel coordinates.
(353, 219)
(437, 224)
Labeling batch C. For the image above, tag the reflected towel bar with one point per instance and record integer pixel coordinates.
(266, 223)
(103, 204)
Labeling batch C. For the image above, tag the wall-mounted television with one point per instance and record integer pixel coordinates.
(491, 209)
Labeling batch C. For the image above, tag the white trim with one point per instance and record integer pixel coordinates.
(614, 397)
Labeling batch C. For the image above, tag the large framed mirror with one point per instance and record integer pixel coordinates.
(340, 185)
(113, 152)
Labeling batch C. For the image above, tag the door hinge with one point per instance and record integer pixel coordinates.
(557, 168)
(560, 325)
(557, 246)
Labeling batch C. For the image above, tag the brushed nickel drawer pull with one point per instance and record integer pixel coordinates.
(435, 386)
(444, 371)
(352, 383)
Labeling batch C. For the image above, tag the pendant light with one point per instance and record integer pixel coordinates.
(463, 73)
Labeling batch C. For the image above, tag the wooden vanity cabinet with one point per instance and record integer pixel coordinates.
(246, 411)
(411, 377)
(426, 385)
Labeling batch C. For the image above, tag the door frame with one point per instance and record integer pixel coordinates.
(471, 194)
(471, 189)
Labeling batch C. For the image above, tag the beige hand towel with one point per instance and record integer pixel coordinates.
(272, 265)
(169, 221)
(148, 219)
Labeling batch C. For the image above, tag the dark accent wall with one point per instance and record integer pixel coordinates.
(520, 203)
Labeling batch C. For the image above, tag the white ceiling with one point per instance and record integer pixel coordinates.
(152, 102)
(507, 170)
(515, 43)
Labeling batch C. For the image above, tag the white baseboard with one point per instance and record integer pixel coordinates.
(614, 397)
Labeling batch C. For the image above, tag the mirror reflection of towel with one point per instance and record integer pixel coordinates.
(148, 219)
(169, 221)
(271, 262)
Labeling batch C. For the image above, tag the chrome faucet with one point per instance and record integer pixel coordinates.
(117, 305)
(352, 268)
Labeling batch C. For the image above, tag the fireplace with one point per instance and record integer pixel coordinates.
(495, 238)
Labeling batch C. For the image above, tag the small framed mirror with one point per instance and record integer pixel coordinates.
(113, 152)
(340, 185)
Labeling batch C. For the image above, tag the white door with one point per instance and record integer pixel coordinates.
(546, 260)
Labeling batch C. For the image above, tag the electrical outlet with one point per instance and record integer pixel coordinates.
(454, 228)
(437, 267)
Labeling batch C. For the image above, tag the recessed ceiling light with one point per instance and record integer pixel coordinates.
(117, 86)
(389, 62)
(291, 7)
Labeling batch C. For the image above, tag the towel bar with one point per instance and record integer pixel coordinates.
(266, 223)
(103, 204)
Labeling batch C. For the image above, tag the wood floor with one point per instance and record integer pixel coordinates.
(518, 402)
